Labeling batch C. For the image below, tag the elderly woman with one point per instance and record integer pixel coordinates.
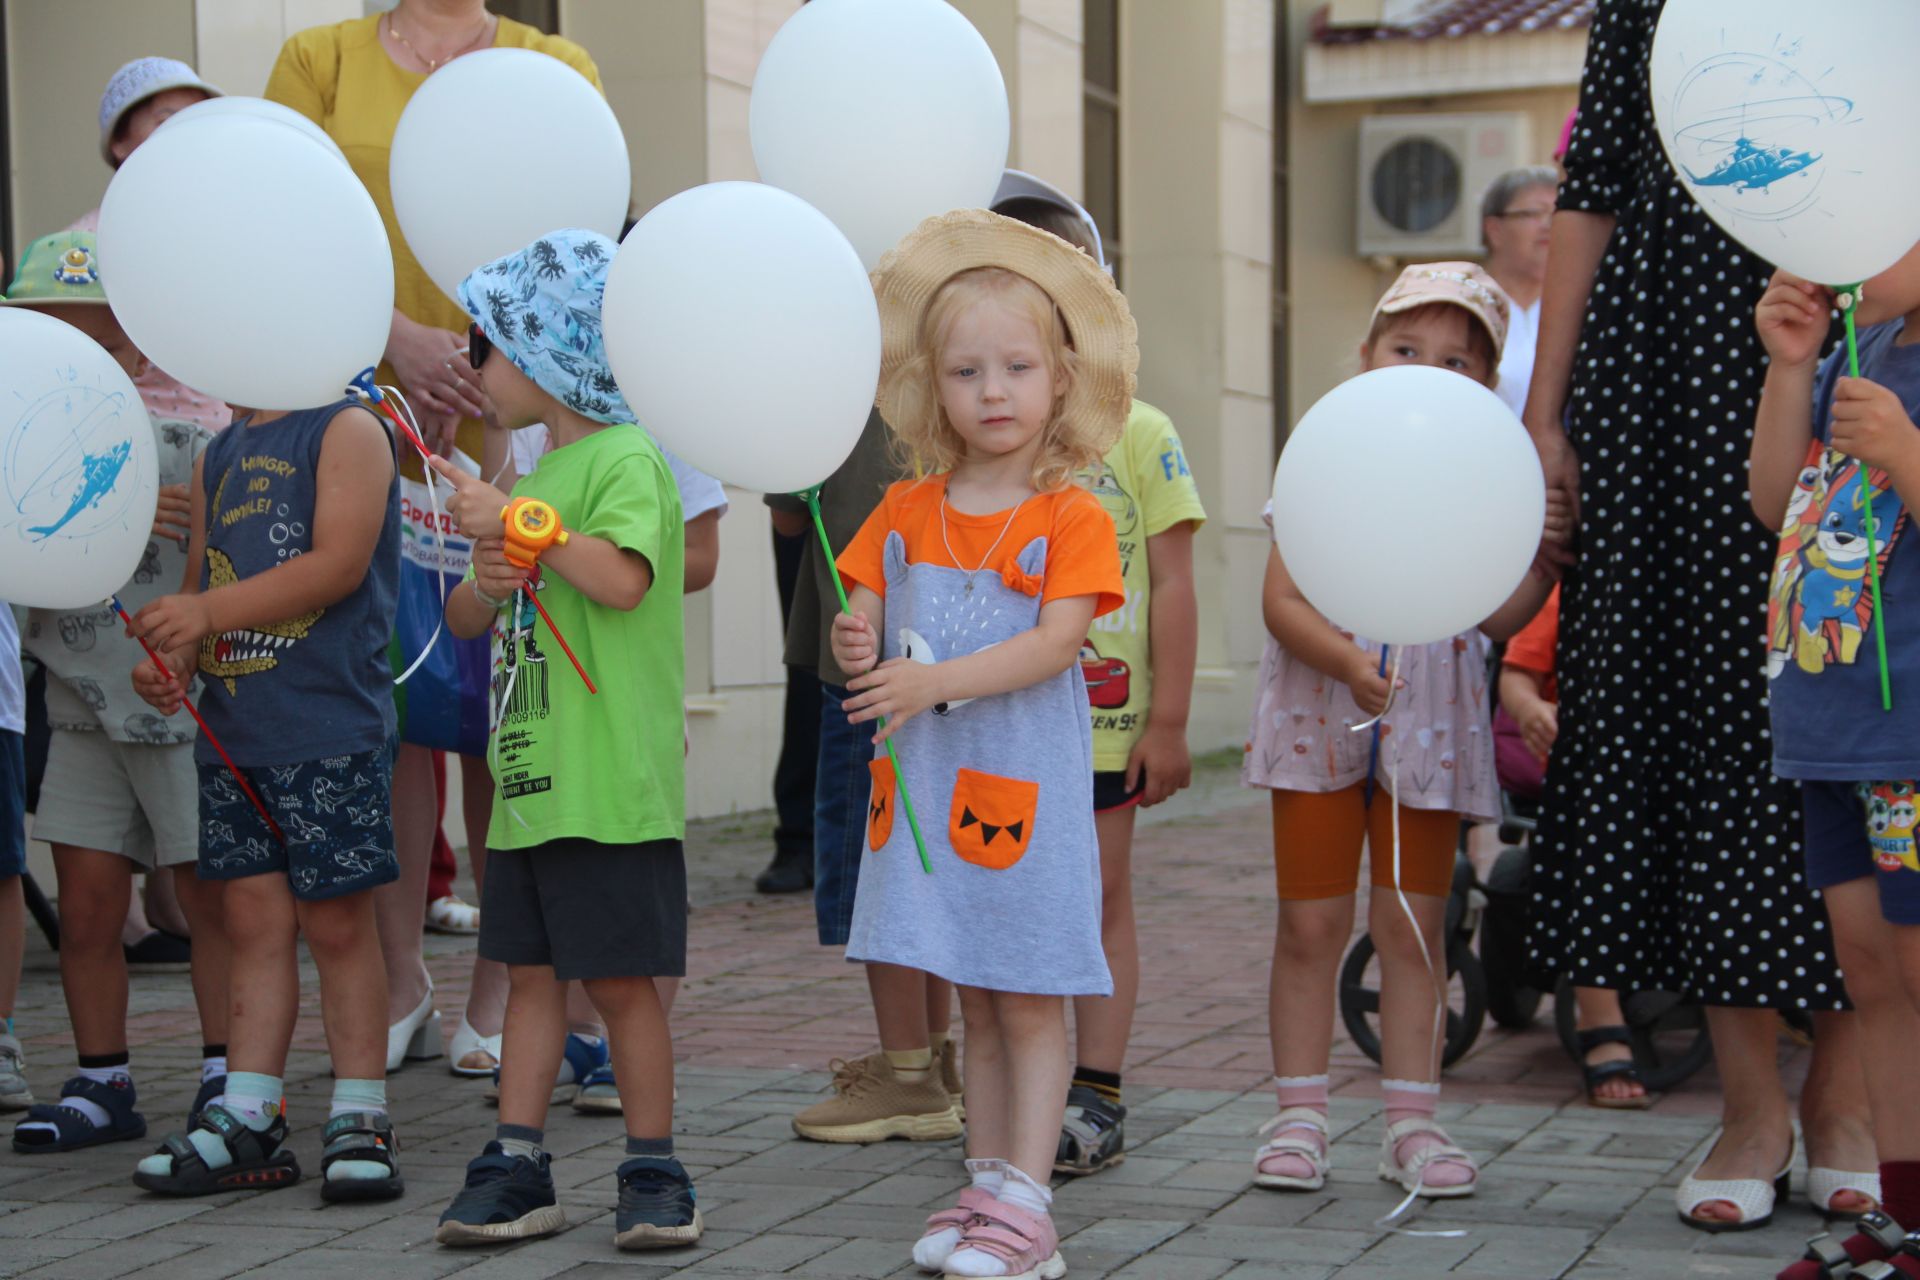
(1516, 217)
(353, 79)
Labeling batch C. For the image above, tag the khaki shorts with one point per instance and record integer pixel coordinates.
(140, 802)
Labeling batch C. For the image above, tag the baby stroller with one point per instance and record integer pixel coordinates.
(1666, 1031)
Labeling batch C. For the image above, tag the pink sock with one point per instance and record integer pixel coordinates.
(1414, 1099)
(1297, 1091)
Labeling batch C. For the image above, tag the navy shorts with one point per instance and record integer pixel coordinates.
(13, 804)
(1859, 829)
(336, 814)
(1110, 791)
(589, 910)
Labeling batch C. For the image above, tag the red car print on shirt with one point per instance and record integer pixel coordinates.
(1109, 680)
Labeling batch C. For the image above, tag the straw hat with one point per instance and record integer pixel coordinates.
(1100, 326)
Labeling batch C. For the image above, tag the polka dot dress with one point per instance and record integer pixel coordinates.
(1668, 856)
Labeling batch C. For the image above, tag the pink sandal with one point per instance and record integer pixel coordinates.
(1027, 1246)
(930, 1252)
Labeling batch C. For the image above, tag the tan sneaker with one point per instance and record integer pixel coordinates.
(950, 1077)
(871, 1103)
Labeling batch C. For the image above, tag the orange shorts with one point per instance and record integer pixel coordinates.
(1317, 838)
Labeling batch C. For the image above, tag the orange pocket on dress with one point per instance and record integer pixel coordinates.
(991, 821)
(880, 802)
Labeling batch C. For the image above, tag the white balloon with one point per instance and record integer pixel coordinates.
(1408, 504)
(1787, 122)
(77, 465)
(262, 109)
(276, 294)
(880, 113)
(742, 329)
(569, 161)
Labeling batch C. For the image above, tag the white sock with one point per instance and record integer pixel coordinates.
(211, 1067)
(95, 1113)
(1023, 1192)
(355, 1096)
(254, 1097)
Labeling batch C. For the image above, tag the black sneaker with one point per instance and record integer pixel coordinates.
(1094, 1134)
(656, 1205)
(506, 1198)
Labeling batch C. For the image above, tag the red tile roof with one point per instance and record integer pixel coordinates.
(1459, 18)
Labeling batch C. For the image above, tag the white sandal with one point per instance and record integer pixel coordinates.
(1824, 1184)
(451, 914)
(1754, 1198)
(1294, 1120)
(466, 1044)
(1408, 1175)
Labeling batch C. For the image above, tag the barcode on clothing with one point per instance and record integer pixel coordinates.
(528, 696)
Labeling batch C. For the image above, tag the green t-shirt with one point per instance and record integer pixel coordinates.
(608, 766)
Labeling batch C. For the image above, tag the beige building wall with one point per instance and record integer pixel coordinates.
(1197, 119)
(1331, 288)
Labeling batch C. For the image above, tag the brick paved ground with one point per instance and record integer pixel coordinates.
(1568, 1191)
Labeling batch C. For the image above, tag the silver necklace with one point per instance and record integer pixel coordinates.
(975, 571)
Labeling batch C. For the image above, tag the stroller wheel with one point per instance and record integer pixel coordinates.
(1466, 998)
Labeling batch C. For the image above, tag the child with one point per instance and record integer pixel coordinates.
(586, 1073)
(121, 790)
(585, 874)
(288, 602)
(1007, 366)
(1823, 444)
(1138, 664)
(1435, 766)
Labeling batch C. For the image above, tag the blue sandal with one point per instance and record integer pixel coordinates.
(72, 1130)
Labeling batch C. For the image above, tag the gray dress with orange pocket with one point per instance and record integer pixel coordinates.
(1003, 789)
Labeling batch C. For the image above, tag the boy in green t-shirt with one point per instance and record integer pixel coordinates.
(586, 878)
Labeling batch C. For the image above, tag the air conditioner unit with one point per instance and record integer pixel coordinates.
(1422, 176)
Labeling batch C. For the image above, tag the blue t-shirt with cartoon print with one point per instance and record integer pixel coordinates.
(1828, 724)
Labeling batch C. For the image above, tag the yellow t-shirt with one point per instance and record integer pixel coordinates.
(1146, 487)
(341, 78)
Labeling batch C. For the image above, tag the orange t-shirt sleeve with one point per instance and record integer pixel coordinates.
(863, 563)
(1083, 554)
(1532, 649)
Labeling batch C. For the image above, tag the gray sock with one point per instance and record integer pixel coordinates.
(662, 1147)
(519, 1139)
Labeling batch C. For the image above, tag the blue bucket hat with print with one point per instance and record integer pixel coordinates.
(541, 307)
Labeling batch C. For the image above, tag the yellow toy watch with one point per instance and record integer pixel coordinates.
(532, 527)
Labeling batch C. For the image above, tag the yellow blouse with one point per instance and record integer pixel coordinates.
(342, 79)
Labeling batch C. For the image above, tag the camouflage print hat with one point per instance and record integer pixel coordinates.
(60, 268)
(541, 307)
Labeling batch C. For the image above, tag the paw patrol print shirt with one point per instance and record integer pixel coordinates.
(320, 684)
(1002, 785)
(1825, 674)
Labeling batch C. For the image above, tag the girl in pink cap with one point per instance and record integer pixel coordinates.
(1316, 683)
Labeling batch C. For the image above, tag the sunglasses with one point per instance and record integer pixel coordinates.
(478, 347)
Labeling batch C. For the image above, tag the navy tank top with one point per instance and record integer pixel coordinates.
(302, 688)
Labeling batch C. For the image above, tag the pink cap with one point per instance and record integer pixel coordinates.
(1460, 284)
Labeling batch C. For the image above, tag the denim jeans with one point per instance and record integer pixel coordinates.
(840, 794)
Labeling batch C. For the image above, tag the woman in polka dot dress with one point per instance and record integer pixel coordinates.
(1668, 854)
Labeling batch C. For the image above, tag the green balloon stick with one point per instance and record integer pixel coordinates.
(812, 498)
(1849, 299)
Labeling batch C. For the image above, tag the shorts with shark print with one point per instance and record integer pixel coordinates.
(1859, 829)
(335, 812)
